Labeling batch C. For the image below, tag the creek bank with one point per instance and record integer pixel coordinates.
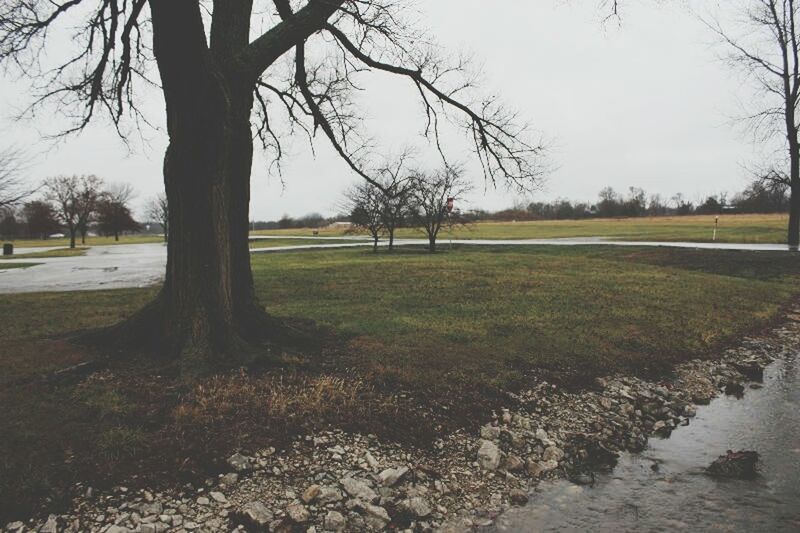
(335, 481)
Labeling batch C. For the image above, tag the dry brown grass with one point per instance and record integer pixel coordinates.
(243, 408)
(270, 397)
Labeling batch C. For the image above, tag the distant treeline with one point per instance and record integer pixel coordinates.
(312, 220)
(759, 197)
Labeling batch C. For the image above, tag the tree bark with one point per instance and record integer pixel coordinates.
(207, 307)
(794, 215)
(794, 181)
(207, 311)
(72, 238)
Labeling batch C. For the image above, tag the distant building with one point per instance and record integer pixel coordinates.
(340, 225)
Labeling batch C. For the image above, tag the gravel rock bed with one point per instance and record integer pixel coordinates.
(336, 481)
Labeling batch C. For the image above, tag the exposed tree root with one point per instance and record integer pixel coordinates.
(255, 339)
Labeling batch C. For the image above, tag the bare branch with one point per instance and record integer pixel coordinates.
(110, 55)
(499, 141)
(13, 188)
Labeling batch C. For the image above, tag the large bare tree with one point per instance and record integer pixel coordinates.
(222, 72)
(765, 44)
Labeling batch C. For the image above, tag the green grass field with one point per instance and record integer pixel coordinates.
(9, 266)
(450, 329)
(274, 243)
(697, 228)
(90, 241)
(59, 252)
(487, 313)
(479, 309)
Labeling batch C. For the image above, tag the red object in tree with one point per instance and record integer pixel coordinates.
(450, 202)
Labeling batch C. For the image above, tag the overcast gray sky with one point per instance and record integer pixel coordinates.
(646, 103)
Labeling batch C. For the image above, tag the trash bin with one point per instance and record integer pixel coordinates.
(8, 249)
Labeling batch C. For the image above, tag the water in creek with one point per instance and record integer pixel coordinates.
(665, 487)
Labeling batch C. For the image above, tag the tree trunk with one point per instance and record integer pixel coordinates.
(794, 215)
(207, 308)
(207, 311)
(239, 160)
(794, 181)
(391, 239)
(375, 244)
(116, 236)
(432, 243)
(83, 237)
(72, 238)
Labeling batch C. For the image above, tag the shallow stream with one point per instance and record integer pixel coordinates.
(665, 488)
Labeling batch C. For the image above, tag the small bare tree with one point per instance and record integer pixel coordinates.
(12, 186)
(74, 199)
(396, 193)
(40, 219)
(157, 210)
(114, 212)
(430, 196)
(364, 202)
(766, 47)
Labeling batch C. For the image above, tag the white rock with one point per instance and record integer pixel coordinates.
(391, 476)
(358, 489)
(536, 468)
(229, 479)
(256, 513)
(335, 521)
(417, 506)
(378, 512)
(240, 462)
(51, 526)
(298, 513)
(553, 453)
(218, 497)
(371, 461)
(329, 495)
(489, 455)
(490, 432)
